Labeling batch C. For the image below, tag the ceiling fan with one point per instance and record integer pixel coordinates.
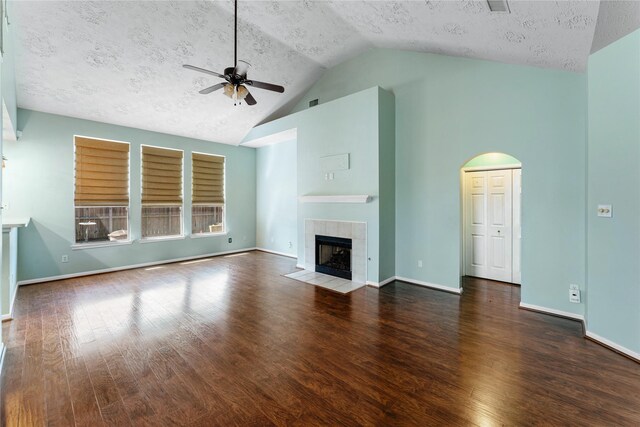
(236, 76)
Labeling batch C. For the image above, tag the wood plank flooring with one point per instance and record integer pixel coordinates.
(230, 341)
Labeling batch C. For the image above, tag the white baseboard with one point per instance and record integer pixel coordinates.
(300, 266)
(613, 345)
(553, 311)
(128, 267)
(277, 253)
(11, 305)
(450, 289)
(381, 284)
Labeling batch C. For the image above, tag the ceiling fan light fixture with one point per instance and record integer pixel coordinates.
(236, 76)
(241, 92)
(229, 90)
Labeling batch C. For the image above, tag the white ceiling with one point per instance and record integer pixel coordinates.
(120, 62)
(616, 19)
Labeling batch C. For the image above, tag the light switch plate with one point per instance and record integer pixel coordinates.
(605, 211)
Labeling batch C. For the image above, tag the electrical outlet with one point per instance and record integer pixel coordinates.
(419, 263)
(230, 240)
(605, 211)
(574, 294)
(65, 258)
(290, 245)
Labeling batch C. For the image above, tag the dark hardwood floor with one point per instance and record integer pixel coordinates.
(229, 341)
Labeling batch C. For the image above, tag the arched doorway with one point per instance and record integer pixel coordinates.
(491, 189)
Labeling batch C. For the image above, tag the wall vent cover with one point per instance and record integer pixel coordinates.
(498, 6)
(313, 102)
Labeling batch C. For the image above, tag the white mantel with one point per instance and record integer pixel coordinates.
(357, 198)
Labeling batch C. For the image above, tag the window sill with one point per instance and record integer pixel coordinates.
(161, 239)
(202, 235)
(77, 246)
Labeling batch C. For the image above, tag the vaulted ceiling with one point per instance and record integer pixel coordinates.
(120, 62)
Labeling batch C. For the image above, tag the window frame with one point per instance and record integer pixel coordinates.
(182, 234)
(224, 231)
(89, 245)
(224, 205)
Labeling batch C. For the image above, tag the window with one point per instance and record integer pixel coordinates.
(207, 186)
(101, 196)
(161, 192)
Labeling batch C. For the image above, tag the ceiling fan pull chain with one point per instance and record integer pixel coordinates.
(235, 34)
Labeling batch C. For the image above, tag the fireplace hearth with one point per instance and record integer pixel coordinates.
(333, 256)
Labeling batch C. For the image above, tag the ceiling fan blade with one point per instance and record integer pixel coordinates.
(212, 88)
(202, 70)
(241, 68)
(249, 99)
(267, 86)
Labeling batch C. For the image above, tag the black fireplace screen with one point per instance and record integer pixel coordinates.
(333, 256)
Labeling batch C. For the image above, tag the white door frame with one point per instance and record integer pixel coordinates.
(464, 218)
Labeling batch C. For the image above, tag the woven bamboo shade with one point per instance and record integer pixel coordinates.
(161, 176)
(102, 172)
(207, 179)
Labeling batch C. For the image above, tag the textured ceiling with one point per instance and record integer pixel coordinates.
(120, 62)
(616, 19)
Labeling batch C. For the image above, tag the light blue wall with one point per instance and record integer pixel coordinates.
(40, 185)
(449, 110)
(345, 125)
(613, 299)
(277, 198)
(387, 183)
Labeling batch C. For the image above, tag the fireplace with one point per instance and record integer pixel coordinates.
(333, 256)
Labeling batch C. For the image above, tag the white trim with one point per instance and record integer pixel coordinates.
(9, 223)
(277, 253)
(613, 345)
(79, 246)
(360, 198)
(204, 235)
(381, 284)
(129, 267)
(3, 353)
(553, 311)
(492, 168)
(11, 305)
(161, 239)
(274, 138)
(430, 285)
(300, 266)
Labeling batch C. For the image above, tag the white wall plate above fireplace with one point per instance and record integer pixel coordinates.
(358, 198)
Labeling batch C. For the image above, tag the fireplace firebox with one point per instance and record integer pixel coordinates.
(333, 256)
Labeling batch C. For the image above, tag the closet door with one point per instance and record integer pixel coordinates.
(476, 224)
(499, 207)
(488, 216)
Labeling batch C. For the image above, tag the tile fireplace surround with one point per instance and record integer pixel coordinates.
(356, 231)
